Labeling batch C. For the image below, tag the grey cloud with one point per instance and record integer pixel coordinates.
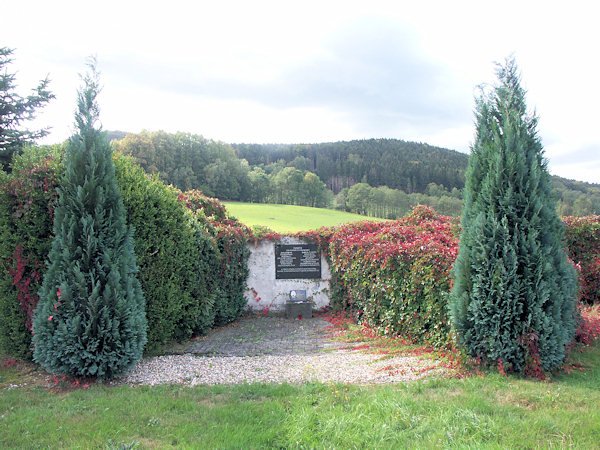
(375, 68)
(590, 155)
(373, 74)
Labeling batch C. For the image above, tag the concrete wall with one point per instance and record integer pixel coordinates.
(265, 293)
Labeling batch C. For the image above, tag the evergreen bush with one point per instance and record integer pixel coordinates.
(90, 319)
(514, 291)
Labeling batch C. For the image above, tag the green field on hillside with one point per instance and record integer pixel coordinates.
(290, 218)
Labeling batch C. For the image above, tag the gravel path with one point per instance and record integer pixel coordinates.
(332, 367)
(303, 353)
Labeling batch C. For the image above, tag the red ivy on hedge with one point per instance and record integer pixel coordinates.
(394, 276)
(26, 277)
(228, 233)
(582, 235)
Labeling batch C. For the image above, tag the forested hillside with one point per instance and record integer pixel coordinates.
(375, 177)
(576, 198)
(433, 175)
(397, 164)
(189, 161)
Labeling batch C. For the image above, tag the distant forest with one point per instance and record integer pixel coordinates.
(397, 164)
(376, 177)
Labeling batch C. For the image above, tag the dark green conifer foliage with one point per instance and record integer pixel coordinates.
(90, 319)
(514, 293)
(174, 257)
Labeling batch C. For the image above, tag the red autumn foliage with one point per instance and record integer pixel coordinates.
(395, 276)
(588, 329)
(26, 277)
(9, 362)
(582, 238)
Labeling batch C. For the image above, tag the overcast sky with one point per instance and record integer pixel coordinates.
(315, 71)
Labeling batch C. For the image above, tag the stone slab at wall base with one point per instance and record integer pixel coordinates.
(266, 294)
(295, 310)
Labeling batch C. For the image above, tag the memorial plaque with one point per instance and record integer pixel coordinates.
(297, 261)
(298, 295)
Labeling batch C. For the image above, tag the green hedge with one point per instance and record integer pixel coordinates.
(173, 256)
(192, 264)
(229, 276)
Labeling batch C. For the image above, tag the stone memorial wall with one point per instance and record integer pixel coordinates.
(277, 268)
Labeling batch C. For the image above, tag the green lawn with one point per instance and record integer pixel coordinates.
(290, 218)
(477, 412)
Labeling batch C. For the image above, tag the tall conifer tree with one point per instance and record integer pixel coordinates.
(514, 290)
(90, 320)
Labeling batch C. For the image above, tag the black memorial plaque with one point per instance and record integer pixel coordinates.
(297, 261)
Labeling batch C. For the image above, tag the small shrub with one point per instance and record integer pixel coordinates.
(212, 209)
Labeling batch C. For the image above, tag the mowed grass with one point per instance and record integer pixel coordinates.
(290, 218)
(476, 412)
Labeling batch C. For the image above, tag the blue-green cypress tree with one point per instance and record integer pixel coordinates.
(514, 291)
(90, 319)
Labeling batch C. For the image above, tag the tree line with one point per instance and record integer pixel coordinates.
(576, 198)
(189, 161)
(397, 164)
(350, 176)
(388, 203)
